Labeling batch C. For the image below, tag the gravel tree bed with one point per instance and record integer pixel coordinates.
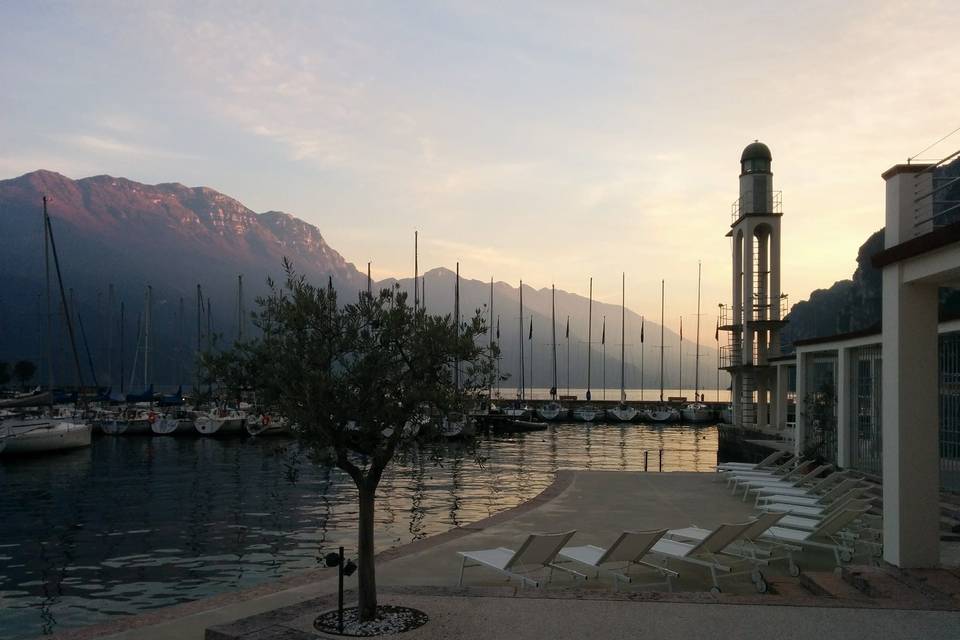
(390, 620)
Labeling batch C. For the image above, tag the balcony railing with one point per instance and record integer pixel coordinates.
(740, 207)
(760, 311)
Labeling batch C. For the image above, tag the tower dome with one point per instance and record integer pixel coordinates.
(755, 158)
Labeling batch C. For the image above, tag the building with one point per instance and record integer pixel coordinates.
(886, 400)
(754, 321)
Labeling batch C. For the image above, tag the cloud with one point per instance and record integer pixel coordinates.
(97, 143)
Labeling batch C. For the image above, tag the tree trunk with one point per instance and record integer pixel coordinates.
(366, 572)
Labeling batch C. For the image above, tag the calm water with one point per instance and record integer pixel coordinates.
(132, 524)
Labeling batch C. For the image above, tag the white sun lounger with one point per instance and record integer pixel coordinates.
(766, 463)
(810, 523)
(779, 473)
(749, 485)
(817, 488)
(537, 552)
(838, 491)
(750, 548)
(827, 536)
(629, 549)
(708, 553)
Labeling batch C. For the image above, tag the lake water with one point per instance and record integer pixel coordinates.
(132, 524)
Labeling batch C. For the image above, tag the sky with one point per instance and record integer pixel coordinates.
(548, 141)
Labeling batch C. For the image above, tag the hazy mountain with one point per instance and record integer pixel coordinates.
(115, 231)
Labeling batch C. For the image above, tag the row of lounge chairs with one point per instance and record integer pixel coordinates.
(798, 509)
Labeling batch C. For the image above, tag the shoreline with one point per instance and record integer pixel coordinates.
(561, 481)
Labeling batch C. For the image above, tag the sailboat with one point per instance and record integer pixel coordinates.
(662, 412)
(552, 410)
(697, 412)
(20, 434)
(587, 412)
(623, 412)
(456, 424)
(520, 410)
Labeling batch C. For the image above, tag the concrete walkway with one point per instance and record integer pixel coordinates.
(599, 505)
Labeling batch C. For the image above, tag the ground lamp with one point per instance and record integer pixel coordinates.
(344, 569)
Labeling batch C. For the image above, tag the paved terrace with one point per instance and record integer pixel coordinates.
(599, 505)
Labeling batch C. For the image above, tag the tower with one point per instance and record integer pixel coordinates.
(753, 321)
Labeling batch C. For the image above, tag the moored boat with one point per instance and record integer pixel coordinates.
(42, 435)
(661, 414)
(696, 412)
(623, 413)
(586, 413)
(176, 422)
(221, 422)
(550, 411)
(267, 424)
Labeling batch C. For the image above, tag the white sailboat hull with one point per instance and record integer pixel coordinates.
(173, 426)
(585, 414)
(623, 414)
(661, 415)
(221, 426)
(44, 436)
(270, 427)
(697, 414)
(550, 411)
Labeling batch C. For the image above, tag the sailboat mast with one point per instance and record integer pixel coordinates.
(110, 335)
(553, 325)
(199, 319)
(661, 339)
(416, 295)
(456, 324)
(148, 302)
(696, 369)
(680, 358)
(523, 382)
(623, 332)
(240, 303)
(67, 309)
(589, 337)
(46, 264)
(489, 334)
(643, 382)
(122, 322)
(603, 342)
(181, 342)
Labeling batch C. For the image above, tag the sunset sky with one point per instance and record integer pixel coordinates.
(546, 141)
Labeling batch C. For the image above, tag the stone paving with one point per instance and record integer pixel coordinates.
(599, 505)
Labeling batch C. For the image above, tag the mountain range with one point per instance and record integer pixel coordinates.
(120, 235)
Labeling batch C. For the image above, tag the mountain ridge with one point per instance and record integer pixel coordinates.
(115, 230)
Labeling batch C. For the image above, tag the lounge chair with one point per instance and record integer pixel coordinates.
(750, 548)
(786, 472)
(709, 553)
(749, 485)
(629, 549)
(841, 490)
(810, 523)
(827, 536)
(537, 552)
(817, 488)
(766, 463)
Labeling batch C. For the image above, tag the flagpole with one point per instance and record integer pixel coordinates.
(523, 385)
(589, 337)
(568, 355)
(643, 384)
(603, 341)
(530, 339)
(489, 328)
(553, 328)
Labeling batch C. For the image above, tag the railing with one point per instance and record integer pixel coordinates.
(731, 355)
(740, 207)
(760, 311)
(938, 205)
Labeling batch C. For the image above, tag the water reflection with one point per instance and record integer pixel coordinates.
(137, 523)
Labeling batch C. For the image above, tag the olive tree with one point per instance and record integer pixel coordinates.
(355, 380)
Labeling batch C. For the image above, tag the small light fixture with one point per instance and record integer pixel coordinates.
(349, 568)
